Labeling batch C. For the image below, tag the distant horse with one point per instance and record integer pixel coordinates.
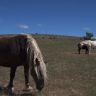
(22, 49)
(87, 45)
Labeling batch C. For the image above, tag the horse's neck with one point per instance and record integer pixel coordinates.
(93, 43)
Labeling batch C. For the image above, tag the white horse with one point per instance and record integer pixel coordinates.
(87, 45)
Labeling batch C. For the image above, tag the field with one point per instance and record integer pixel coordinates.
(69, 74)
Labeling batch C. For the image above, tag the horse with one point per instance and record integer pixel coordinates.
(87, 45)
(23, 50)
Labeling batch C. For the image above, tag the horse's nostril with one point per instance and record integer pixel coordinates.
(40, 87)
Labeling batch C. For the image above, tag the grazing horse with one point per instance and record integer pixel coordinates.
(87, 45)
(22, 49)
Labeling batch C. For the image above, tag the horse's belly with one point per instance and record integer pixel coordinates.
(9, 60)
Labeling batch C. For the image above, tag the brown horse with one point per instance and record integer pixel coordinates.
(22, 49)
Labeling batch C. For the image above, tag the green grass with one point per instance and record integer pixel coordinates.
(69, 74)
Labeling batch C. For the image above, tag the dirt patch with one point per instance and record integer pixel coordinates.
(75, 53)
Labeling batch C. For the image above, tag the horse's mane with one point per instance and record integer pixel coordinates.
(33, 49)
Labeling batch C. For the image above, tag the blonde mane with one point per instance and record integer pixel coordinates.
(34, 49)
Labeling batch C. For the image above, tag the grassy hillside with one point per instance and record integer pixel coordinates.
(69, 74)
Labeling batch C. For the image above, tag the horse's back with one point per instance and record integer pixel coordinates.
(12, 49)
(85, 42)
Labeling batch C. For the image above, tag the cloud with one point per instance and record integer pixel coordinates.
(86, 29)
(23, 26)
(40, 25)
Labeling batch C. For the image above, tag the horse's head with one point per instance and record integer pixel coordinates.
(38, 72)
(37, 65)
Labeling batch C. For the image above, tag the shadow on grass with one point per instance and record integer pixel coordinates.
(7, 92)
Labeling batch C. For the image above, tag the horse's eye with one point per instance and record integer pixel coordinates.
(37, 62)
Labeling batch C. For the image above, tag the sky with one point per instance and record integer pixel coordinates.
(61, 17)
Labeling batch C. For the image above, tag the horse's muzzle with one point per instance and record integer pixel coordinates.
(40, 85)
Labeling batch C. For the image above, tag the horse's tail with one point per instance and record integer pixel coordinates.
(34, 54)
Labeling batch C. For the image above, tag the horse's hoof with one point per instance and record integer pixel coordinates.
(11, 90)
(8, 88)
(28, 88)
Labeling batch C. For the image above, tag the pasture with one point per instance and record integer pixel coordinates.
(69, 74)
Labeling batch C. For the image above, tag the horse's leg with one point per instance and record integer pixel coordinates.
(79, 48)
(26, 73)
(86, 50)
(89, 50)
(12, 75)
(10, 87)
